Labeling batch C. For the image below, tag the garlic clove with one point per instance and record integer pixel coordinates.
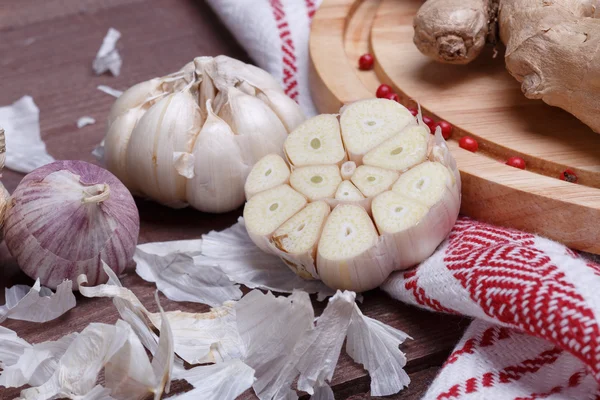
(400, 152)
(169, 126)
(347, 253)
(393, 212)
(365, 124)
(135, 97)
(266, 211)
(426, 182)
(372, 180)
(228, 72)
(317, 181)
(288, 111)
(217, 184)
(347, 169)
(346, 191)
(259, 129)
(316, 141)
(268, 172)
(116, 143)
(296, 240)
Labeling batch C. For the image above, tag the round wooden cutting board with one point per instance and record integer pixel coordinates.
(481, 100)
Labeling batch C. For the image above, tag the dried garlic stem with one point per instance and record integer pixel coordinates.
(103, 193)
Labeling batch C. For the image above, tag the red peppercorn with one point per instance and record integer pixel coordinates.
(516, 162)
(569, 176)
(446, 128)
(392, 96)
(413, 111)
(468, 143)
(383, 90)
(430, 123)
(365, 62)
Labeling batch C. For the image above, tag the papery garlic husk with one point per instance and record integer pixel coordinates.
(191, 137)
(351, 223)
(66, 218)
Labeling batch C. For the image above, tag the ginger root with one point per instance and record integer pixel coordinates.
(552, 46)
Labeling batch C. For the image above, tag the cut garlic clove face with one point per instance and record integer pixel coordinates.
(426, 182)
(349, 238)
(296, 240)
(266, 211)
(348, 192)
(365, 124)
(372, 180)
(268, 172)
(316, 141)
(402, 151)
(382, 219)
(394, 213)
(316, 182)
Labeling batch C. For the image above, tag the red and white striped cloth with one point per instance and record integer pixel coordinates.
(536, 334)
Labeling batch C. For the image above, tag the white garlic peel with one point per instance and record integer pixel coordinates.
(351, 223)
(191, 137)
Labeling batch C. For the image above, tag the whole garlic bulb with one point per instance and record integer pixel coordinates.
(192, 137)
(352, 222)
(67, 217)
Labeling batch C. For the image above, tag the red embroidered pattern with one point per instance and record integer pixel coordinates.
(489, 338)
(412, 283)
(518, 285)
(311, 8)
(507, 375)
(290, 81)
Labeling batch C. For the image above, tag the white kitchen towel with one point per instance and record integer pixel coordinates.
(509, 280)
(275, 35)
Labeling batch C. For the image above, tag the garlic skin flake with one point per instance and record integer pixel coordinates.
(108, 57)
(21, 123)
(37, 304)
(386, 209)
(223, 381)
(85, 121)
(191, 137)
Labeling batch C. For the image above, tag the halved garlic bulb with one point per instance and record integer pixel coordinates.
(191, 137)
(351, 223)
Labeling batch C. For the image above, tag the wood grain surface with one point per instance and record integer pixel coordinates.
(481, 100)
(46, 51)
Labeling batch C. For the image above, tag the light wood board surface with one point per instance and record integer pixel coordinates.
(481, 100)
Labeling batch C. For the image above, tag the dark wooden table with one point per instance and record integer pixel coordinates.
(46, 51)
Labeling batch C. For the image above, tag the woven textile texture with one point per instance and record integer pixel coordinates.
(535, 303)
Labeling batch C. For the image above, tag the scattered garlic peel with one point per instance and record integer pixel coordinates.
(323, 393)
(84, 121)
(36, 364)
(375, 345)
(215, 381)
(37, 304)
(21, 122)
(201, 338)
(11, 347)
(191, 247)
(237, 256)
(179, 278)
(110, 91)
(270, 327)
(108, 58)
(78, 368)
(320, 348)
